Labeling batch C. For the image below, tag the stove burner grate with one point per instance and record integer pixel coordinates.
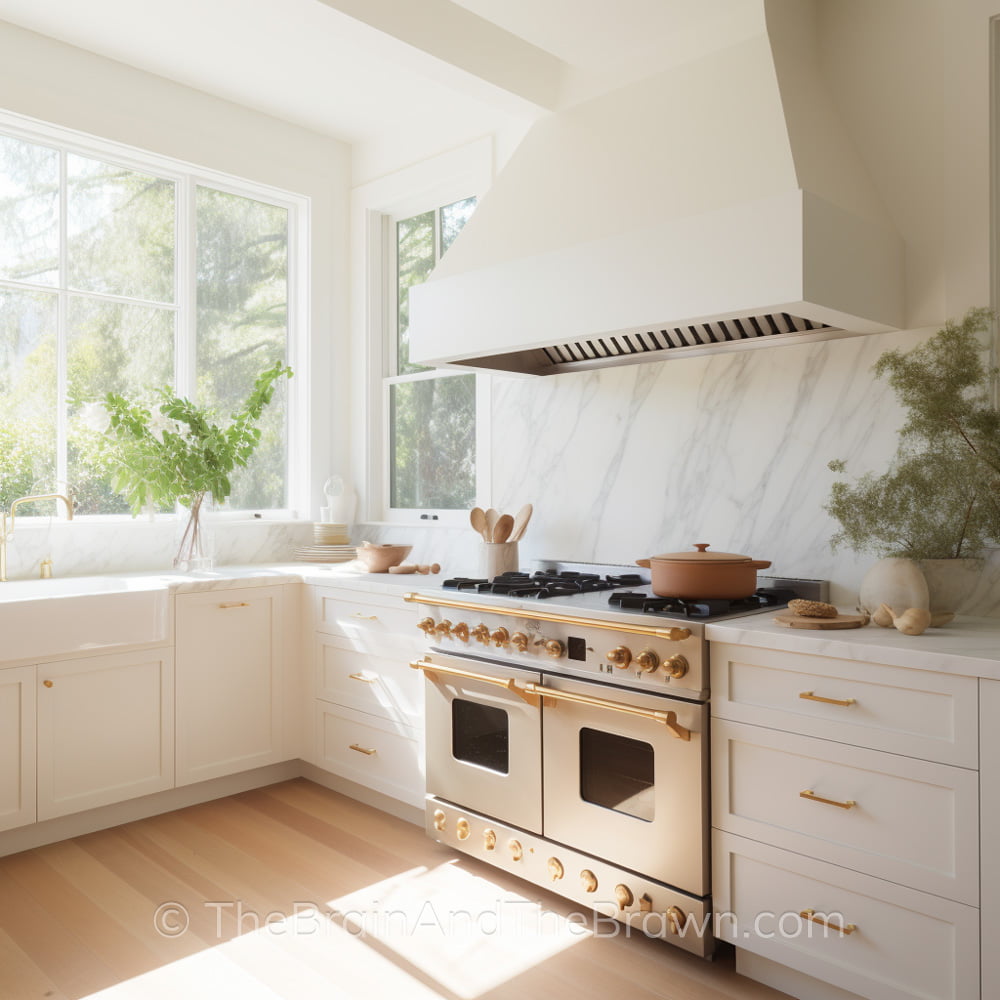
(630, 600)
(541, 585)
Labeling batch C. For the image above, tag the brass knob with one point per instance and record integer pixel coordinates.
(501, 637)
(620, 656)
(556, 870)
(444, 628)
(675, 919)
(48, 684)
(489, 839)
(516, 850)
(439, 819)
(623, 895)
(554, 648)
(647, 660)
(426, 625)
(676, 665)
(520, 641)
(462, 829)
(481, 634)
(588, 880)
(461, 631)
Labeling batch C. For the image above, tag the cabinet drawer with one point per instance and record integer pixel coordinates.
(912, 821)
(369, 623)
(372, 684)
(906, 944)
(378, 754)
(916, 713)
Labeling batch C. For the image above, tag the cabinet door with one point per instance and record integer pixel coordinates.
(229, 648)
(105, 730)
(17, 747)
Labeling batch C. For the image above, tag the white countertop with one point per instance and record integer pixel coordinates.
(968, 646)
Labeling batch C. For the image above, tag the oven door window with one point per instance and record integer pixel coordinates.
(480, 735)
(616, 772)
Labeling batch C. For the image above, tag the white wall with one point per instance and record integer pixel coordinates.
(53, 82)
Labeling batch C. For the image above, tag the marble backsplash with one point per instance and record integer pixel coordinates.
(730, 449)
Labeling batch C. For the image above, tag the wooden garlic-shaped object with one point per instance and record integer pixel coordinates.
(913, 621)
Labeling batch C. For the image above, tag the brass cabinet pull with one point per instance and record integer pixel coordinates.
(367, 751)
(48, 684)
(673, 634)
(362, 678)
(813, 797)
(816, 918)
(844, 703)
(367, 618)
(430, 668)
(235, 604)
(669, 719)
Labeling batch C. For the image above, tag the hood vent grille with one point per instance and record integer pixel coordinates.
(652, 342)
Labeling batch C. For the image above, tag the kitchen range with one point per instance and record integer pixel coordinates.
(567, 735)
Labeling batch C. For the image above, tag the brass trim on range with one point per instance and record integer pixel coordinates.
(813, 797)
(429, 667)
(817, 918)
(673, 634)
(843, 702)
(668, 719)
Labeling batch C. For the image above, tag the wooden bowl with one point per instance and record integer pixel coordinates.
(378, 558)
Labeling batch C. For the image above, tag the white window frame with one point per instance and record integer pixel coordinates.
(188, 177)
(431, 184)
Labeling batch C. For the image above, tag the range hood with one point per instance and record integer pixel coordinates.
(717, 205)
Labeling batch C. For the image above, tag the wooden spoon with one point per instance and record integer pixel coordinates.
(477, 518)
(503, 529)
(492, 516)
(521, 522)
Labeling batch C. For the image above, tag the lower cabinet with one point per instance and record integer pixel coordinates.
(17, 747)
(105, 730)
(230, 681)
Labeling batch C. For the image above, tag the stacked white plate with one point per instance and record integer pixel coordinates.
(326, 553)
(325, 533)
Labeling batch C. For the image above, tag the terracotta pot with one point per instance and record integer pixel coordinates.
(703, 574)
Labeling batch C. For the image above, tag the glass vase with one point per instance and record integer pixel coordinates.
(195, 549)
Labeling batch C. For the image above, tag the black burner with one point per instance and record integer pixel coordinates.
(630, 600)
(541, 585)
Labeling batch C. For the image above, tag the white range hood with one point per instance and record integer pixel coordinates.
(717, 205)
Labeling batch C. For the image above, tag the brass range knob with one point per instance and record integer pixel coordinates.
(461, 632)
(623, 896)
(675, 665)
(500, 637)
(443, 628)
(556, 870)
(620, 656)
(481, 634)
(519, 641)
(490, 839)
(516, 850)
(554, 648)
(588, 880)
(427, 626)
(675, 919)
(463, 829)
(439, 819)
(647, 661)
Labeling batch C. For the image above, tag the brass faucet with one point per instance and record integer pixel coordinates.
(7, 524)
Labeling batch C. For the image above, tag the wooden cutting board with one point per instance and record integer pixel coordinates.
(790, 620)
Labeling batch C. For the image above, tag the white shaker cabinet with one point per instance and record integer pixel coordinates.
(105, 730)
(230, 651)
(17, 747)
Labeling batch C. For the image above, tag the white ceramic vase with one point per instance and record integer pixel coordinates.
(951, 582)
(899, 583)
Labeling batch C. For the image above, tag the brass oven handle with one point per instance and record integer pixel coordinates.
(673, 634)
(844, 702)
(669, 719)
(429, 667)
(813, 797)
(823, 922)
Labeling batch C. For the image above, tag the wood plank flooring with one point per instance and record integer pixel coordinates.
(293, 892)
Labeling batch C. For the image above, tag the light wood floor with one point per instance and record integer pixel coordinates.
(264, 895)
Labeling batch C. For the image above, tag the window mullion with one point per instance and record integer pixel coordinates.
(186, 291)
(62, 330)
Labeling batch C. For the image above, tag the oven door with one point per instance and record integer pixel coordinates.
(626, 779)
(483, 738)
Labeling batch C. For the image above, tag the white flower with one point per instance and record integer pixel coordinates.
(95, 417)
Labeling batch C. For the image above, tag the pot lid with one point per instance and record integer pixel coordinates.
(703, 555)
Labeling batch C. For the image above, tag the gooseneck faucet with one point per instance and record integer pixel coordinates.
(7, 524)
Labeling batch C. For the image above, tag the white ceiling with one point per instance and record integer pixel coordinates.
(370, 73)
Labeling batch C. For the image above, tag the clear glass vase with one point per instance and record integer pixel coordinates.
(195, 548)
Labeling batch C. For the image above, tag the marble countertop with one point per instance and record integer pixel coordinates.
(968, 646)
